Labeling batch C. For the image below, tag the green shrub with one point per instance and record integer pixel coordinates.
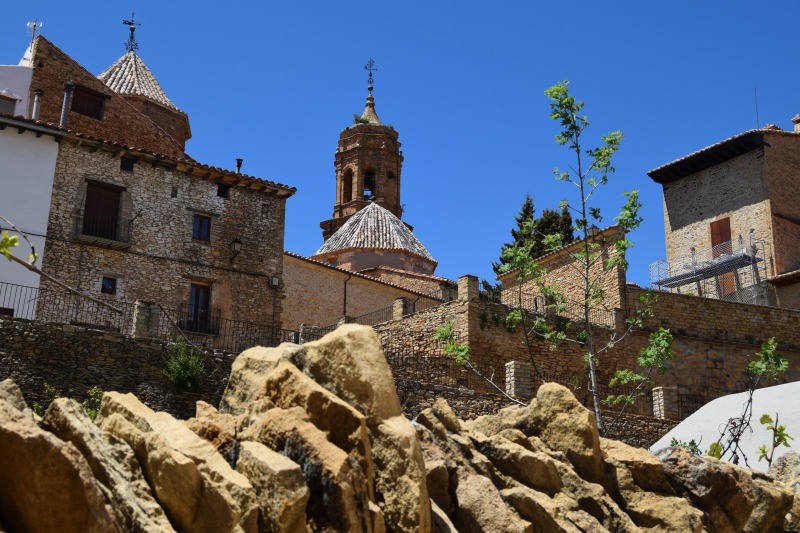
(92, 404)
(185, 367)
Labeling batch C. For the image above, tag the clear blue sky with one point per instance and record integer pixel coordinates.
(462, 82)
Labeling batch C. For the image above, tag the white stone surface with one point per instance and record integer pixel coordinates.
(710, 419)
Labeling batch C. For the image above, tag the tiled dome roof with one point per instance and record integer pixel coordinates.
(129, 75)
(374, 228)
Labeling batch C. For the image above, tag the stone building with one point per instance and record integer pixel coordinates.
(365, 238)
(132, 217)
(731, 219)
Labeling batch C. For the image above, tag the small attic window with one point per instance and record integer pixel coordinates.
(88, 102)
(126, 164)
(7, 105)
(223, 190)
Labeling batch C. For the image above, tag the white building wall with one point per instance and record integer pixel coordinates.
(27, 165)
(17, 79)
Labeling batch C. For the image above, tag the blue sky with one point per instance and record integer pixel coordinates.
(462, 82)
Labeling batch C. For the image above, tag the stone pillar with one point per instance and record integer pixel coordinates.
(146, 317)
(519, 382)
(467, 287)
(344, 320)
(398, 308)
(309, 332)
(665, 403)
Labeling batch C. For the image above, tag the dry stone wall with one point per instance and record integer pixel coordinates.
(74, 359)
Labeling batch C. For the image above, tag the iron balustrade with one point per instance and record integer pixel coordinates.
(104, 226)
(376, 317)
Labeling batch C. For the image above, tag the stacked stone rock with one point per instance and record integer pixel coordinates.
(312, 438)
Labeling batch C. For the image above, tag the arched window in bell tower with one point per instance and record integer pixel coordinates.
(369, 185)
(390, 175)
(347, 186)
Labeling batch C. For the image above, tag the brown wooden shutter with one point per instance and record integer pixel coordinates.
(721, 244)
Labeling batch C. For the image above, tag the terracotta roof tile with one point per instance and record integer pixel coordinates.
(129, 75)
(374, 228)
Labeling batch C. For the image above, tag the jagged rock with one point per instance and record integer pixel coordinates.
(47, 485)
(113, 464)
(480, 507)
(344, 426)
(442, 410)
(247, 376)
(350, 363)
(550, 514)
(563, 424)
(733, 498)
(218, 476)
(177, 483)
(339, 494)
(440, 522)
(11, 393)
(646, 470)
(786, 469)
(534, 469)
(280, 487)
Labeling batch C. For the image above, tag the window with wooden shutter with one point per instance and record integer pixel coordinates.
(721, 245)
(101, 211)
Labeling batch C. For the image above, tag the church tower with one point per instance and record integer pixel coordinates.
(368, 163)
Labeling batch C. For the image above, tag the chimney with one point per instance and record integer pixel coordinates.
(37, 103)
(796, 121)
(68, 86)
(239, 164)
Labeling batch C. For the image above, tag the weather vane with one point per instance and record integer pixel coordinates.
(34, 28)
(370, 66)
(131, 44)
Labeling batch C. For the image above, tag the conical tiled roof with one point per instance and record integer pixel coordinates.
(374, 228)
(129, 75)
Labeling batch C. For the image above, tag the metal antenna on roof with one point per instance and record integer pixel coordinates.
(755, 92)
(370, 66)
(33, 27)
(131, 44)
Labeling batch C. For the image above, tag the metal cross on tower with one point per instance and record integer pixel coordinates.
(131, 44)
(370, 66)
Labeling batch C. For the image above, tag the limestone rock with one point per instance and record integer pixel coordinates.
(733, 498)
(11, 393)
(646, 469)
(533, 469)
(177, 483)
(247, 376)
(37, 469)
(339, 494)
(480, 507)
(280, 487)
(113, 464)
(563, 424)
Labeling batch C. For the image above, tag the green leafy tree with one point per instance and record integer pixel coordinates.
(593, 260)
(531, 232)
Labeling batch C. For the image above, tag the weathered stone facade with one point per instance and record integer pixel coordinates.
(154, 254)
(750, 180)
(422, 283)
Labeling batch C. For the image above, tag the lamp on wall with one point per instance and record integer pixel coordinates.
(236, 248)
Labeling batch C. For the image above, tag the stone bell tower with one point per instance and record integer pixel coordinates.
(368, 163)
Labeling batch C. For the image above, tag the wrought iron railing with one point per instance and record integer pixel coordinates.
(103, 226)
(64, 307)
(433, 299)
(198, 319)
(375, 317)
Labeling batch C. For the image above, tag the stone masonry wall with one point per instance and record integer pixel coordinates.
(735, 189)
(782, 169)
(162, 260)
(73, 360)
(121, 122)
(411, 280)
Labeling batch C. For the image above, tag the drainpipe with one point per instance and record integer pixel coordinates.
(37, 103)
(68, 86)
(344, 303)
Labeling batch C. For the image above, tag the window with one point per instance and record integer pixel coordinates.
(369, 185)
(7, 105)
(721, 245)
(347, 186)
(201, 230)
(101, 211)
(126, 164)
(6, 311)
(223, 190)
(198, 315)
(108, 285)
(88, 102)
